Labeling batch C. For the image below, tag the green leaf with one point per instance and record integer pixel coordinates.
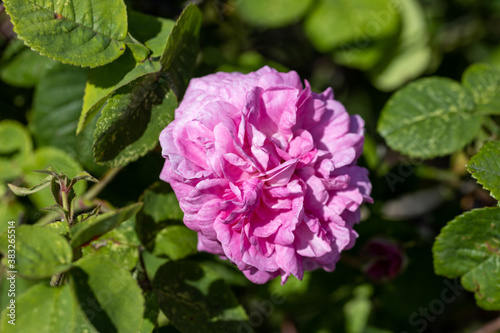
(23, 191)
(485, 167)
(357, 310)
(175, 242)
(40, 252)
(469, 247)
(25, 68)
(84, 175)
(483, 81)
(161, 209)
(16, 147)
(429, 117)
(272, 14)
(151, 312)
(10, 210)
(43, 309)
(60, 226)
(412, 55)
(140, 51)
(60, 161)
(22, 286)
(196, 299)
(55, 189)
(103, 81)
(120, 245)
(161, 203)
(132, 120)
(150, 30)
(56, 107)
(179, 56)
(109, 296)
(94, 227)
(366, 57)
(333, 23)
(86, 33)
(15, 139)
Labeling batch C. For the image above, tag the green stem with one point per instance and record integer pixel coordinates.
(492, 126)
(56, 279)
(65, 201)
(105, 180)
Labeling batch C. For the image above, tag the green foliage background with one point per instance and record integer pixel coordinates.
(423, 74)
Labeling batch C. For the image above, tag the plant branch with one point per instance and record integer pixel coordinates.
(105, 180)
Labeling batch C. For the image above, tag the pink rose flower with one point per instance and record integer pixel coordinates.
(265, 171)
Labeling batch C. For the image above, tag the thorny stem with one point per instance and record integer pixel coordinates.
(105, 180)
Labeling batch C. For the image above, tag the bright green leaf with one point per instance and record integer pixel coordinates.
(428, 118)
(10, 210)
(357, 310)
(196, 299)
(120, 245)
(15, 138)
(483, 81)
(161, 209)
(366, 57)
(485, 167)
(139, 51)
(412, 55)
(150, 30)
(40, 252)
(93, 227)
(175, 242)
(17, 145)
(334, 23)
(161, 203)
(86, 33)
(179, 56)
(22, 191)
(132, 120)
(108, 295)
(469, 247)
(84, 175)
(25, 68)
(60, 226)
(43, 309)
(272, 14)
(22, 286)
(103, 81)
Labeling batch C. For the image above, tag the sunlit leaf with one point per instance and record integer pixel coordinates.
(96, 226)
(179, 56)
(485, 167)
(469, 247)
(132, 120)
(428, 118)
(77, 32)
(272, 14)
(42, 309)
(110, 298)
(105, 80)
(40, 252)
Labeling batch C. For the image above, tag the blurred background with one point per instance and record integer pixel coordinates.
(364, 50)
